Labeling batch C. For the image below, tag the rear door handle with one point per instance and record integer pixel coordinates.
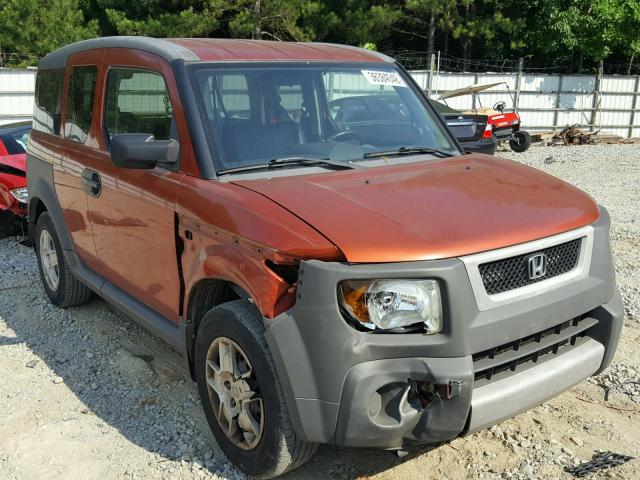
(91, 182)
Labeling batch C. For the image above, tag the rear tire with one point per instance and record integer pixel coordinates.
(62, 288)
(521, 143)
(275, 449)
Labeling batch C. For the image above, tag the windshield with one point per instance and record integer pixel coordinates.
(343, 112)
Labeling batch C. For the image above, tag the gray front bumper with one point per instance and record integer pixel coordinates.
(492, 403)
(351, 388)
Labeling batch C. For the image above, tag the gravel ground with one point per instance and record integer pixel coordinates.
(85, 393)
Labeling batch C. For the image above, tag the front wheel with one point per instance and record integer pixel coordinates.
(241, 394)
(521, 141)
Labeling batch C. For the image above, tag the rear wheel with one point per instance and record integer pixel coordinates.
(241, 395)
(521, 142)
(62, 288)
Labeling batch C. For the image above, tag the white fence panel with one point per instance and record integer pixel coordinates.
(545, 101)
(618, 84)
(616, 101)
(533, 100)
(537, 120)
(510, 80)
(540, 83)
(16, 94)
(550, 102)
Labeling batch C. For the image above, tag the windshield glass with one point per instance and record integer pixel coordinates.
(339, 111)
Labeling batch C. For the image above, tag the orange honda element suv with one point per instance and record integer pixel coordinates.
(333, 272)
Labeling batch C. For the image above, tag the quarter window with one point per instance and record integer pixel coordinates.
(47, 104)
(82, 89)
(138, 102)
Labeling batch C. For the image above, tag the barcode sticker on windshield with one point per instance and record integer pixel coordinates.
(377, 77)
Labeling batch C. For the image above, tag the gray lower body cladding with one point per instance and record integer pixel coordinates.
(354, 388)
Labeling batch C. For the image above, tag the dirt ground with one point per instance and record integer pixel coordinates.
(87, 394)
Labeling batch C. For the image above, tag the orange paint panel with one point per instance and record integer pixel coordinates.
(433, 209)
(415, 211)
(66, 159)
(234, 232)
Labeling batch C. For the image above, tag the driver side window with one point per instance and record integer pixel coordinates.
(138, 102)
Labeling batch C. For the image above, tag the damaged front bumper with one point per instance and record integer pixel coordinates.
(394, 391)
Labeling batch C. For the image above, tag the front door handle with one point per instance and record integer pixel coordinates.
(91, 182)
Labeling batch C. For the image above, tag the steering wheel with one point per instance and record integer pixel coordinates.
(499, 106)
(345, 136)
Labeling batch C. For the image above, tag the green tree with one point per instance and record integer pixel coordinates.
(160, 18)
(467, 21)
(572, 32)
(275, 19)
(426, 15)
(39, 26)
(549, 33)
(621, 30)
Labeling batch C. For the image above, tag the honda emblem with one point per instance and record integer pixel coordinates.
(537, 266)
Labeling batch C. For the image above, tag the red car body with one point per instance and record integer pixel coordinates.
(13, 174)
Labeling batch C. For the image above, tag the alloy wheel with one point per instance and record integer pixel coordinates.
(49, 260)
(234, 393)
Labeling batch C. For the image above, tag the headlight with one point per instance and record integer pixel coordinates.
(393, 304)
(20, 194)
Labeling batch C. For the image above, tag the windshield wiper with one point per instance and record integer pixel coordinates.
(288, 161)
(410, 151)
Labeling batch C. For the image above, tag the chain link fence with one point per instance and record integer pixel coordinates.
(17, 60)
(417, 60)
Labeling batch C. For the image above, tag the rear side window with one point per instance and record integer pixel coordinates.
(234, 96)
(82, 89)
(47, 102)
(138, 102)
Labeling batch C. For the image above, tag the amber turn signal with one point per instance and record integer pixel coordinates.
(353, 295)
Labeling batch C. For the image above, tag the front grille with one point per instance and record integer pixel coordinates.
(513, 272)
(504, 360)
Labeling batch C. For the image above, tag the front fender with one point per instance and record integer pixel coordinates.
(216, 255)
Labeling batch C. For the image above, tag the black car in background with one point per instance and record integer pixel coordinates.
(14, 138)
(371, 117)
(470, 129)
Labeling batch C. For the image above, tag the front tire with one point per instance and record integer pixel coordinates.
(241, 395)
(522, 141)
(62, 288)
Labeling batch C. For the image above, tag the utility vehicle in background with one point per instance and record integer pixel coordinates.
(503, 124)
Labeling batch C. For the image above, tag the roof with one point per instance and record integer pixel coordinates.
(468, 90)
(210, 49)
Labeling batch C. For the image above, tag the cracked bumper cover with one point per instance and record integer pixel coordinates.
(353, 388)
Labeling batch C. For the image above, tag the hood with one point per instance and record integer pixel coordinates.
(433, 209)
(18, 161)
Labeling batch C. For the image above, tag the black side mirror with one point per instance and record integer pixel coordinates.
(142, 151)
